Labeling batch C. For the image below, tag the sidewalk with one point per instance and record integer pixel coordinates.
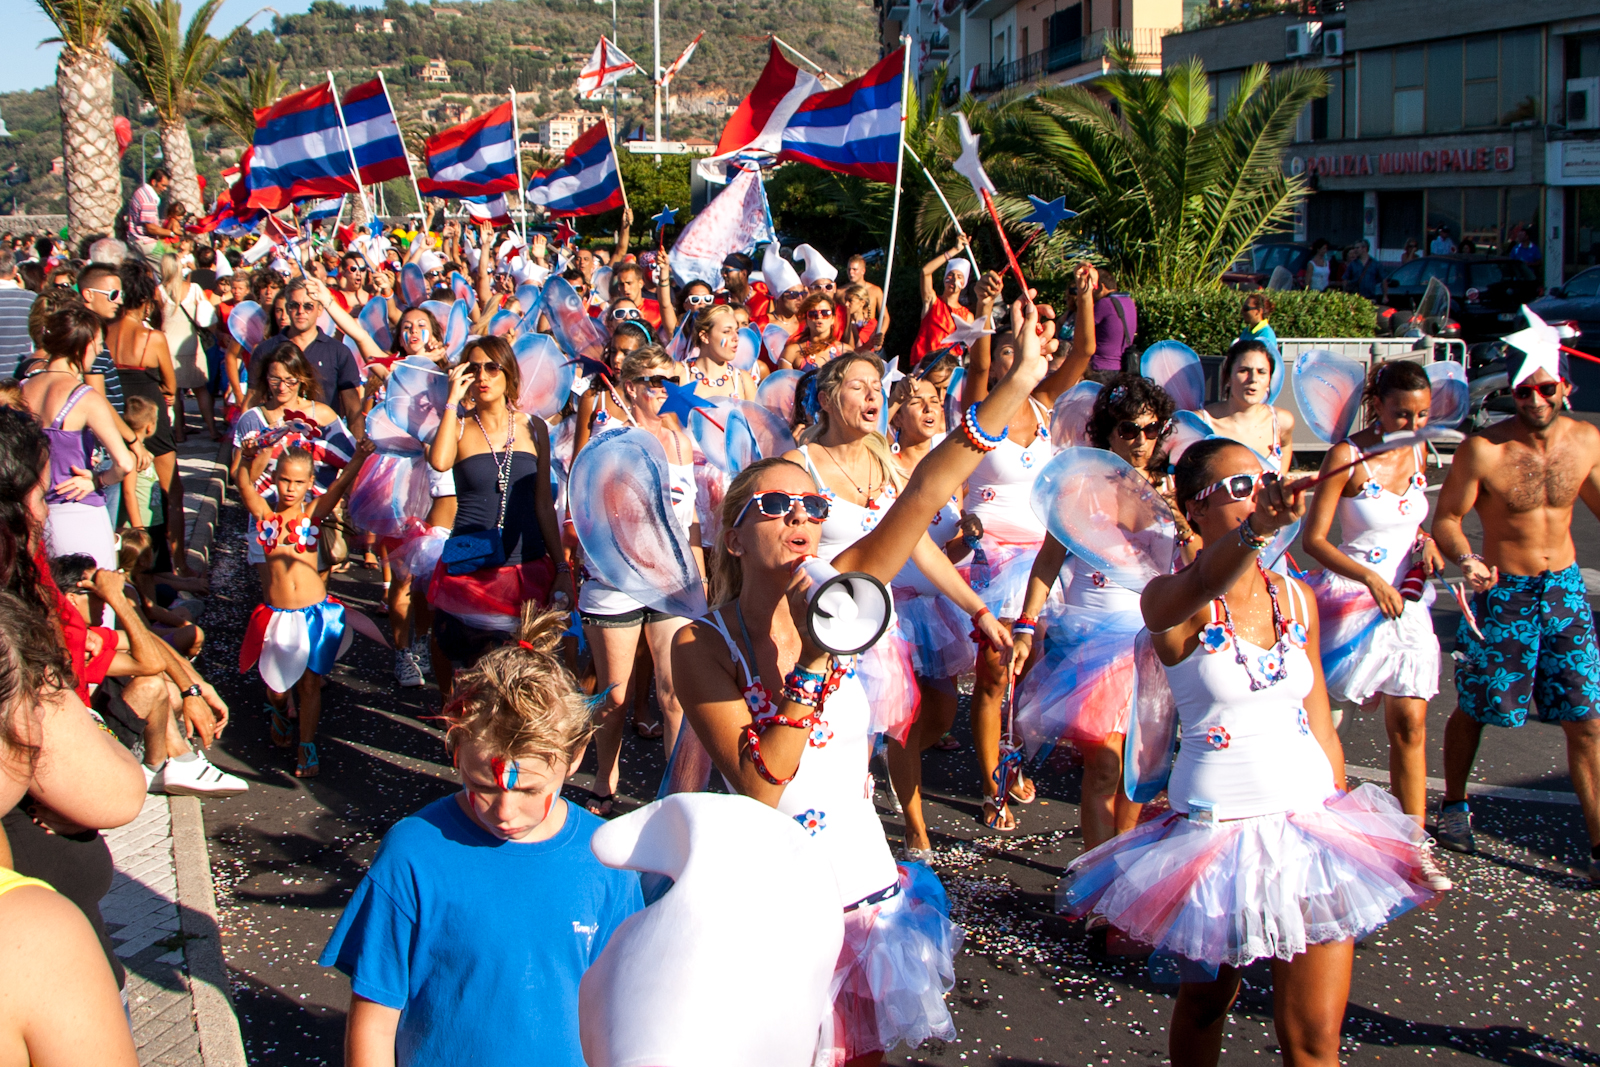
(161, 911)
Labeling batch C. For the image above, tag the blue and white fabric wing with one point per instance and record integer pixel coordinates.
(1106, 512)
(1328, 389)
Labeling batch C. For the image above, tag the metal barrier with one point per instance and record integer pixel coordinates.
(1366, 351)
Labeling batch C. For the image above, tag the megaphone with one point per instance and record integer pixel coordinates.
(847, 613)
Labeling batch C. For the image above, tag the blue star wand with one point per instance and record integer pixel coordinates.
(683, 400)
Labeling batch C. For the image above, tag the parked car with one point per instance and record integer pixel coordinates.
(1486, 292)
(1575, 300)
(1254, 270)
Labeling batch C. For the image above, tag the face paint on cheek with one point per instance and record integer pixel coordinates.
(549, 802)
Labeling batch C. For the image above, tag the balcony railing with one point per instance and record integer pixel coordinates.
(1146, 43)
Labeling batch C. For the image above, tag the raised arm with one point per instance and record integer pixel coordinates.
(975, 386)
(930, 290)
(624, 234)
(1076, 364)
(347, 323)
(442, 453)
(245, 483)
(341, 485)
(885, 550)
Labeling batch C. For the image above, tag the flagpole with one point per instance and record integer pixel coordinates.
(899, 171)
(406, 151)
(516, 146)
(611, 135)
(805, 59)
(948, 210)
(355, 171)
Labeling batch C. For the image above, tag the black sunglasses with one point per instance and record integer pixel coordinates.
(1129, 430)
(1548, 390)
(654, 381)
(491, 369)
(775, 505)
(295, 305)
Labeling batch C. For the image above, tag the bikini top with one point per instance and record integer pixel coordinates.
(300, 533)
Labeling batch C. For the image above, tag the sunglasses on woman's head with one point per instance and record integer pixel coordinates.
(699, 300)
(485, 367)
(1548, 390)
(1237, 486)
(1129, 430)
(654, 381)
(775, 505)
(818, 314)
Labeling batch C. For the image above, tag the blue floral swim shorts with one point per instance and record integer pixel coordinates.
(1538, 648)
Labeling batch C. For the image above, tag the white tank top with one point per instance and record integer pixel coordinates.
(1247, 752)
(998, 490)
(831, 794)
(847, 521)
(1379, 526)
(598, 598)
(1086, 589)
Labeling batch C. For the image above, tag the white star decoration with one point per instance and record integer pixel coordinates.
(967, 333)
(1540, 343)
(968, 165)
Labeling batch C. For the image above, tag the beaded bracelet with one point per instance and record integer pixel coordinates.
(1466, 556)
(1250, 539)
(975, 435)
(808, 682)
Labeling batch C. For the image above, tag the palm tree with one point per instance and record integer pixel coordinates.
(83, 91)
(167, 64)
(232, 104)
(1167, 196)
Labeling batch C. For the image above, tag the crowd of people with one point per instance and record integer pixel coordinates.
(384, 404)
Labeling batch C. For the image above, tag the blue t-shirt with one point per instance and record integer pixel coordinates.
(480, 942)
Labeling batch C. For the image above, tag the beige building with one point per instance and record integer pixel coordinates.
(561, 129)
(437, 71)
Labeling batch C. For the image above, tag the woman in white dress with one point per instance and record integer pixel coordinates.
(1245, 412)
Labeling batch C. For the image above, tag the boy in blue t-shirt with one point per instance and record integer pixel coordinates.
(466, 940)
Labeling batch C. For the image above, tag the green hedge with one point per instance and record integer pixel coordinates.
(1208, 321)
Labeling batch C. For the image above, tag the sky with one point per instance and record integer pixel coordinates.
(35, 68)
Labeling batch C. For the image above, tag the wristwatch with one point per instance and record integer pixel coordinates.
(193, 691)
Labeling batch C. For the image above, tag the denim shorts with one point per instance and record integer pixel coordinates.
(637, 617)
(1538, 650)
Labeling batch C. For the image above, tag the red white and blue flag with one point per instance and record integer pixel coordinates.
(477, 158)
(317, 210)
(374, 133)
(854, 129)
(757, 124)
(299, 151)
(490, 209)
(587, 181)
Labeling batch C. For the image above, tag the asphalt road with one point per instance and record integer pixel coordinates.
(1502, 969)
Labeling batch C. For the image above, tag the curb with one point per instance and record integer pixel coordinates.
(221, 1043)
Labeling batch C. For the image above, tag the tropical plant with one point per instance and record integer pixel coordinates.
(83, 88)
(232, 103)
(168, 64)
(1167, 196)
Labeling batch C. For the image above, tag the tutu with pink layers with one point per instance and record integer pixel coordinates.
(1364, 654)
(939, 632)
(998, 571)
(1231, 892)
(892, 693)
(419, 553)
(1081, 689)
(896, 965)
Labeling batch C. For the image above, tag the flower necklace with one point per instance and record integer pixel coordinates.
(1219, 635)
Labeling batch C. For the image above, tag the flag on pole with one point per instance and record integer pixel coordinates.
(735, 221)
(587, 181)
(374, 133)
(477, 158)
(299, 151)
(492, 210)
(854, 129)
(317, 210)
(607, 65)
(677, 64)
(758, 123)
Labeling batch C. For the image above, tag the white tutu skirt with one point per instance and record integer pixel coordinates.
(419, 553)
(1080, 691)
(1228, 893)
(892, 693)
(1364, 654)
(896, 965)
(940, 635)
(998, 572)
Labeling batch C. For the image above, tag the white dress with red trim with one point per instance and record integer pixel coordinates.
(1260, 855)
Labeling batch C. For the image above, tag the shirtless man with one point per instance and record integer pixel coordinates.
(856, 271)
(1538, 649)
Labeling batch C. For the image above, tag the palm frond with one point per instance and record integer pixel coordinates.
(81, 25)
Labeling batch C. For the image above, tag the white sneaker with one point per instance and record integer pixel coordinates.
(195, 776)
(421, 653)
(150, 777)
(1431, 874)
(406, 671)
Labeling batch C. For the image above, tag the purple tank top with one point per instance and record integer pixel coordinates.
(68, 449)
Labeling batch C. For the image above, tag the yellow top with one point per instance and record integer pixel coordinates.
(10, 880)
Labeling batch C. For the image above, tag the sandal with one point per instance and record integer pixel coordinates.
(282, 731)
(998, 817)
(601, 806)
(948, 743)
(371, 561)
(308, 765)
(648, 730)
(1020, 794)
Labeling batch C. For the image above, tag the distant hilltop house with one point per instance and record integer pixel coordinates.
(445, 13)
(699, 146)
(436, 71)
(387, 25)
(561, 129)
(384, 26)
